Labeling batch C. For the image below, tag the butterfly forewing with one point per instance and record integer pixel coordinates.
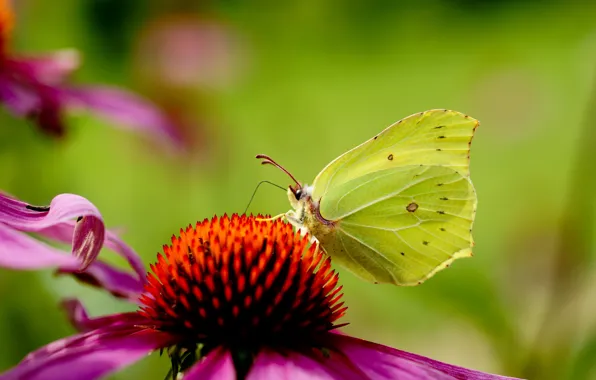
(436, 137)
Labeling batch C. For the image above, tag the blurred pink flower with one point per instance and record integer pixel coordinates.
(37, 88)
(233, 298)
(192, 51)
(185, 60)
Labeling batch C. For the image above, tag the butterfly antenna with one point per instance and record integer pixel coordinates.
(268, 160)
(257, 188)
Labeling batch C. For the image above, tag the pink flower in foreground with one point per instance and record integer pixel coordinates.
(233, 298)
(37, 88)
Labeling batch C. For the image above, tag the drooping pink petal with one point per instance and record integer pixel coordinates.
(125, 108)
(382, 362)
(63, 232)
(87, 236)
(116, 244)
(79, 318)
(119, 283)
(90, 355)
(217, 365)
(293, 365)
(88, 233)
(77, 315)
(21, 251)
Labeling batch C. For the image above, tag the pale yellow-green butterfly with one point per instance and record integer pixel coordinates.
(399, 207)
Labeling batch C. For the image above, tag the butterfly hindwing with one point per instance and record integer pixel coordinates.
(400, 225)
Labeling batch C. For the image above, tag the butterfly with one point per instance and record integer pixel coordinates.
(399, 207)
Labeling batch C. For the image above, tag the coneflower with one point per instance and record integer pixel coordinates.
(233, 298)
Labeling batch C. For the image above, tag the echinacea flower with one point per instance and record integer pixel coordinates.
(37, 88)
(233, 298)
(68, 219)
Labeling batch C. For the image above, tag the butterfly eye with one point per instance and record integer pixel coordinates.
(298, 194)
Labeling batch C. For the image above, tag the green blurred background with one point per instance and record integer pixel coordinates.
(304, 81)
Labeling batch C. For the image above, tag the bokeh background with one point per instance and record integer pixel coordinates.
(304, 81)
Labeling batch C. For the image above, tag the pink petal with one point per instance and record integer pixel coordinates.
(88, 233)
(382, 362)
(215, 366)
(20, 100)
(293, 365)
(50, 69)
(63, 232)
(90, 355)
(125, 108)
(79, 318)
(116, 244)
(120, 283)
(77, 315)
(21, 251)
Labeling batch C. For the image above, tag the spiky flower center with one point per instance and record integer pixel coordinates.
(242, 281)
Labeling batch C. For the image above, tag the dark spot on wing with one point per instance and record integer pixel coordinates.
(442, 229)
(444, 199)
(420, 119)
(403, 254)
(439, 184)
(390, 157)
(439, 127)
(375, 137)
(38, 208)
(441, 212)
(438, 149)
(425, 242)
(412, 207)
(441, 137)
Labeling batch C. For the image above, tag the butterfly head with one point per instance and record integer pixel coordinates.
(299, 195)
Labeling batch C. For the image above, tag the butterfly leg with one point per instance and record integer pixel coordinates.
(272, 218)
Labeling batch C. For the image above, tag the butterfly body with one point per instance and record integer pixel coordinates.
(399, 207)
(306, 213)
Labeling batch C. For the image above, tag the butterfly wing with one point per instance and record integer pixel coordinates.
(400, 225)
(435, 137)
